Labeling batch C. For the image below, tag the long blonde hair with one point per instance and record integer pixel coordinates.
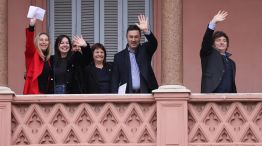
(48, 50)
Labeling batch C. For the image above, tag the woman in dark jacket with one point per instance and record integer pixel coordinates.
(98, 73)
(68, 62)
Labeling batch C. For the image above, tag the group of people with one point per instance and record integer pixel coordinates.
(78, 68)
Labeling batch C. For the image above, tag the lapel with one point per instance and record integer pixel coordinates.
(128, 70)
(127, 60)
(139, 58)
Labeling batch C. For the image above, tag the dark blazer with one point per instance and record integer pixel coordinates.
(76, 63)
(212, 65)
(91, 82)
(122, 68)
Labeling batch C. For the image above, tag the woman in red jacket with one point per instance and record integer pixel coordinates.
(39, 73)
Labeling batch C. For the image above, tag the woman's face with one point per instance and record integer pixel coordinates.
(64, 46)
(43, 42)
(98, 55)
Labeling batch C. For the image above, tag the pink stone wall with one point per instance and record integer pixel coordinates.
(171, 116)
(224, 120)
(3, 42)
(243, 27)
(17, 22)
(54, 122)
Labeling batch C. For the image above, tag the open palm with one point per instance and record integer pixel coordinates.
(220, 16)
(79, 41)
(143, 23)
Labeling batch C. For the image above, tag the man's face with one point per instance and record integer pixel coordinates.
(221, 44)
(75, 48)
(133, 38)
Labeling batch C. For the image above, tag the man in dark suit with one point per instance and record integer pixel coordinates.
(133, 65)
(218, 70)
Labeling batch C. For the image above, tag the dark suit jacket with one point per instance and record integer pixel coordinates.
(122, 69)
(91, 81)
(212, 65)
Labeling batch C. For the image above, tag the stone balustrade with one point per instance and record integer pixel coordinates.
(225, 119)
(75, 119)
(171, 116)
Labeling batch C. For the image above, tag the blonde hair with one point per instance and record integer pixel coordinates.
(48, 50)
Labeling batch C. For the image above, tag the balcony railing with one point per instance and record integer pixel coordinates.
(225, 119)
(171, 116)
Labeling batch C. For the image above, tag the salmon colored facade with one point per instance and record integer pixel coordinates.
(171, 116)
(179, 26)
(243, 26)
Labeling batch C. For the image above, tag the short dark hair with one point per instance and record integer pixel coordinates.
(219, 34)
(99, 46)
(133, 27)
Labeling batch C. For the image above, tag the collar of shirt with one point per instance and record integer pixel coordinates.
(131, 50)
(226, 54)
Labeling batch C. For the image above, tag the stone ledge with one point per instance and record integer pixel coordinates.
(5, 90)
(172, 89)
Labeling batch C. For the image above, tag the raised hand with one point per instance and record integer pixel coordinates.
(79, 41)
(220, 16)
(32, 21)
(143, 23)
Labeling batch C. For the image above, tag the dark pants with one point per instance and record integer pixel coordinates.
(60, 89)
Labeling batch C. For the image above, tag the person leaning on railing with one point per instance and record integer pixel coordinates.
(67, 63)
(132, 66)
(218, 70)
(39, 73)
(83, 52)
(98, 73)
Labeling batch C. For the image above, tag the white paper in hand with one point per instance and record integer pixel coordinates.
(122, 89)
(36, 12)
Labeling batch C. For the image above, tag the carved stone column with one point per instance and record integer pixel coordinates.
(172, 42)
(3, 42)
(6, 96)
(172, 115)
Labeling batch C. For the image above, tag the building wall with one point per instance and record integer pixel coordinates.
(3, 44)
(17, 22)
(243, 26)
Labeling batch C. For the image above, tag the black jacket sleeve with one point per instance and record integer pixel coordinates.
(206, 46)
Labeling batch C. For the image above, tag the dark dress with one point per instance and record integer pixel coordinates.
(98, 80)
(45, 80)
